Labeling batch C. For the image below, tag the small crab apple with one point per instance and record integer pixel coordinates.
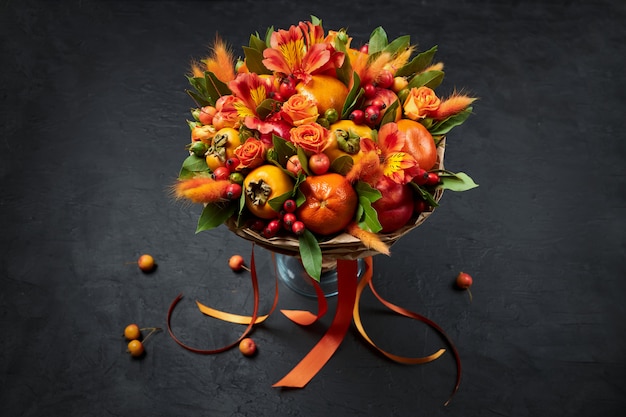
(247, 347)
(135, 348)
(294, 166)
(236, 263)
(319, 163)
(146, 263)
(464, 281)
(132, 332)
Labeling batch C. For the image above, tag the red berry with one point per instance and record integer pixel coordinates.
(421, 178)
(233, 191)
(232, 163)
(287, 87)
(384, 79)
(271, 229)
(298, 227)
(365, 49)
(258, 225)
(221, 173)
(276, 96)
(372, 115)
(288, 220)
(357, 116)
(369, 90)
(289, 205)
(433, 179)
(379, 103)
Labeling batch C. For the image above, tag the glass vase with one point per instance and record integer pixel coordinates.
(291, 272)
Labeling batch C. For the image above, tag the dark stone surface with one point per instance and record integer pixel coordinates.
(93, 134)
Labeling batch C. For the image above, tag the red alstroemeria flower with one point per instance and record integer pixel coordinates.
(396, 164)
(250, 91)
(300, 52)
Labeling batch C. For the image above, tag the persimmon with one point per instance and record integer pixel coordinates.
(419, 143)
(330, 203)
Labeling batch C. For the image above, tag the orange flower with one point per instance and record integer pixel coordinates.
(311, 137)
(301, 52)
(226, 115)
(420, 103)
(251, 153)
(399, 166)
(300, 109)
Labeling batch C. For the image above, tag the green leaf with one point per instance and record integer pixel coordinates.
(192, 165)
(304, 161)
(215, 214)
(398, 44)
(200, 100)
(352, 98)
(276, 203)
(417, 64)
(283, 150)
(378, 41)
(430, 79)
(257, 43)
(428, 197)
(390, 113)
(365, 190)
(267, 107)
(254, 60)
(215, 87)
(342, 165)
(457, 182)
(446, 125)
(311, 254)
(368, 217)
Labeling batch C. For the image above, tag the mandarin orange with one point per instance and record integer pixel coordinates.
(327, 92)
(330, 203)
(419, 143)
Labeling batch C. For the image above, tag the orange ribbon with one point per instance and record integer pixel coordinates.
(310, 365)
(348, 299)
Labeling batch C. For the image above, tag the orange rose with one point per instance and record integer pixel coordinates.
(420, 103)
(311, 137)
(300, 110)
(226, 115)
(251, 153)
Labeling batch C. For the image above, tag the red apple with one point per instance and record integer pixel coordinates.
(395, 207)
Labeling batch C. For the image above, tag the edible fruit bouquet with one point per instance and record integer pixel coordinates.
(312, 147)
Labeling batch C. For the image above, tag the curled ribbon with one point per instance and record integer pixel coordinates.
(348, 300)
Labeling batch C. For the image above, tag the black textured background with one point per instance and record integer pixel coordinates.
(93, 133)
